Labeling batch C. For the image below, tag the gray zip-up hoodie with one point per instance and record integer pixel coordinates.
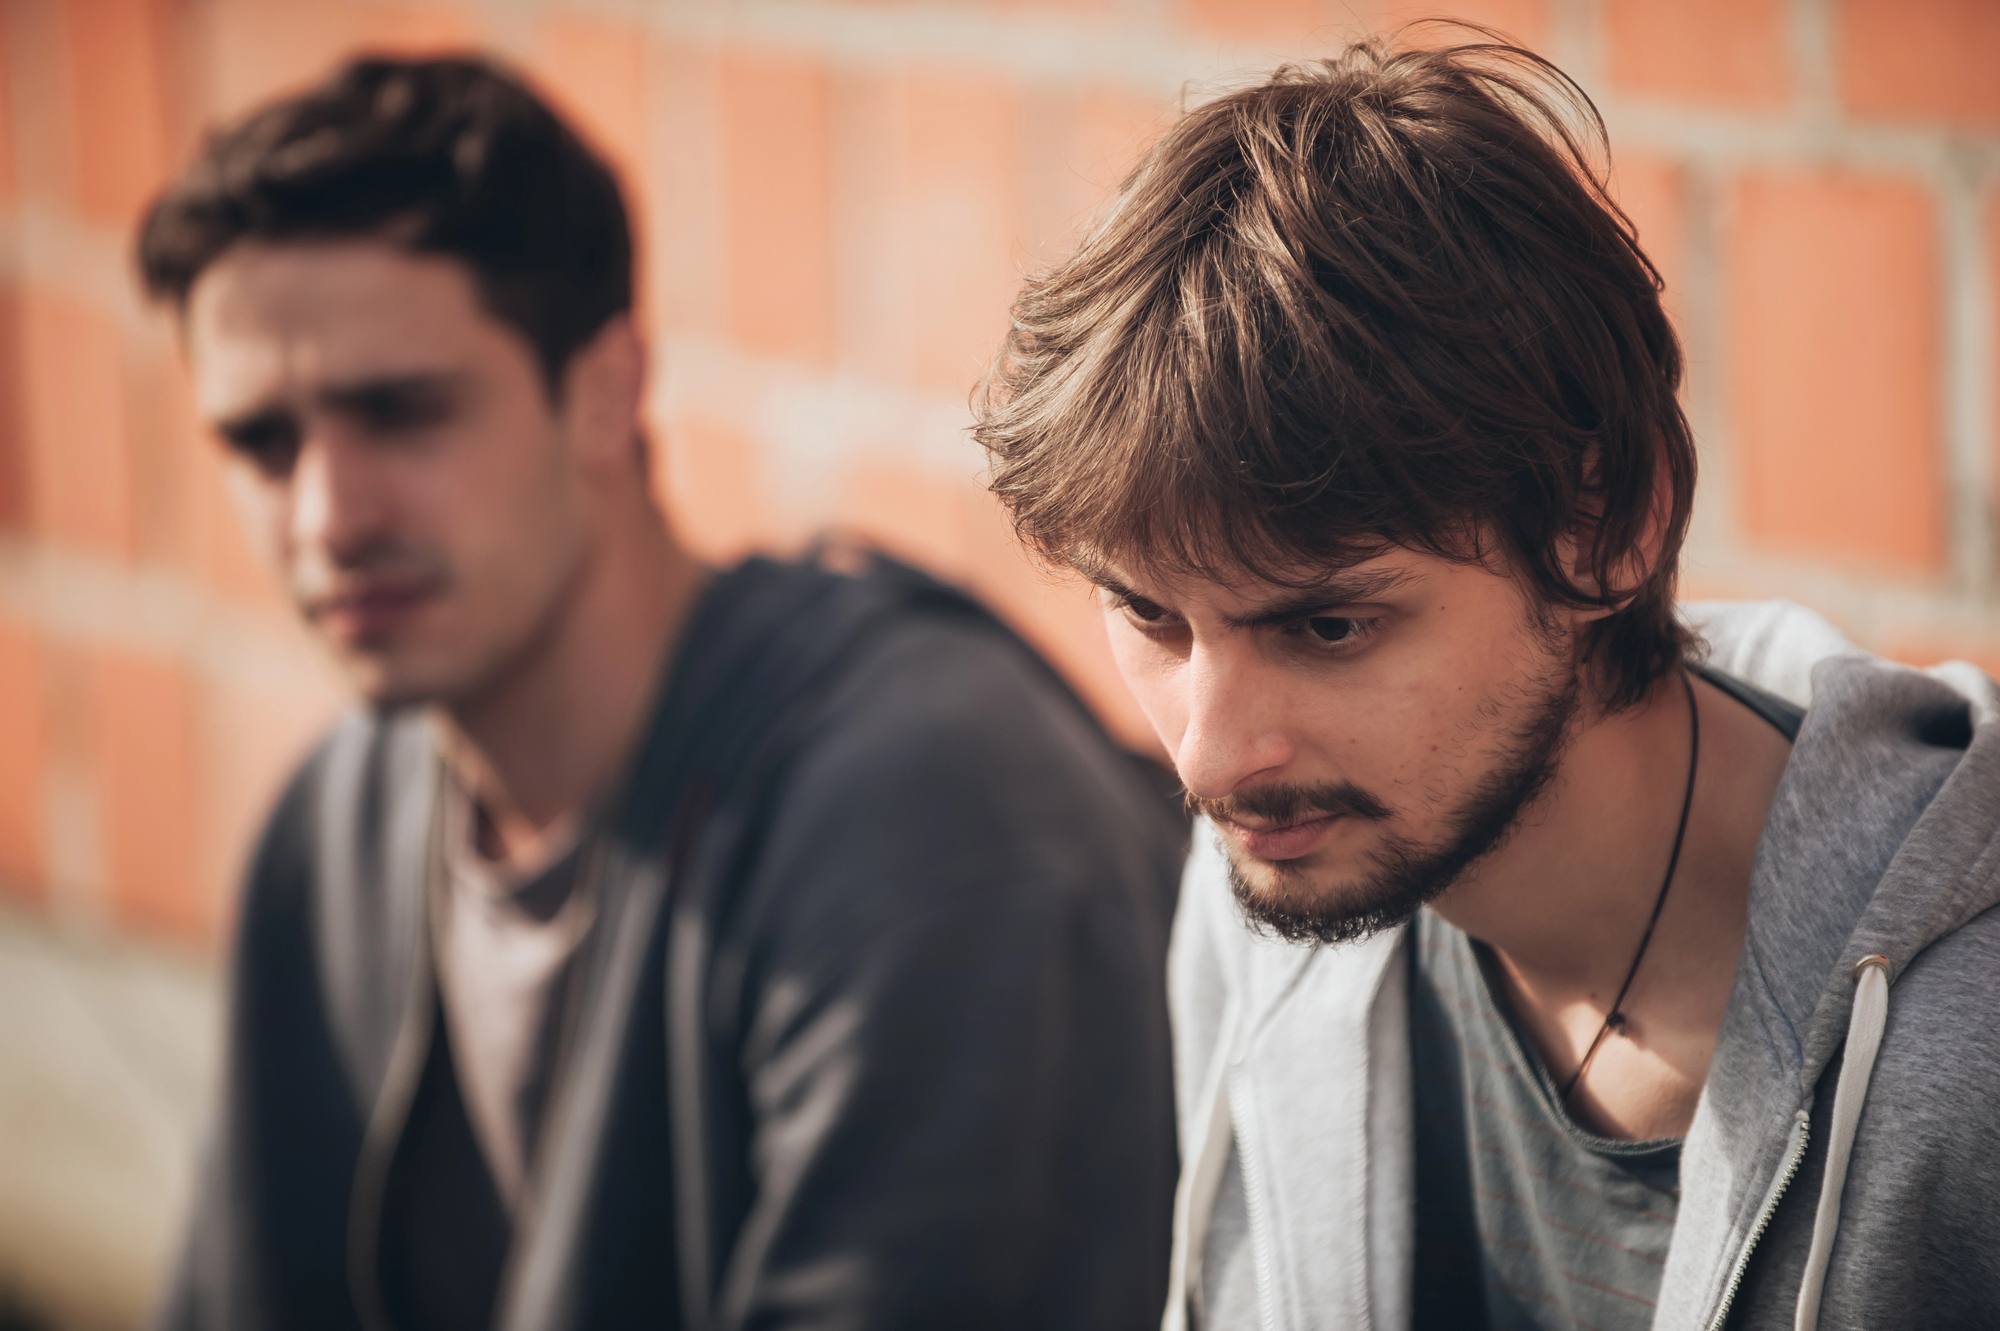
(1823, 1183)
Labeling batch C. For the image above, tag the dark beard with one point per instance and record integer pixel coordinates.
(1408, 874)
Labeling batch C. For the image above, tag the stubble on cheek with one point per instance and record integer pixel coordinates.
(1520, 734)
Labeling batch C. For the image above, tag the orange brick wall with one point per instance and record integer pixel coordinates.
(836, 199)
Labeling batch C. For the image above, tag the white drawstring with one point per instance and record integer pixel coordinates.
(1864, 1039)
(1201, 1179)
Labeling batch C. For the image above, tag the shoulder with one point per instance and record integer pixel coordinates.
(359, 771)
(949, 788)
(895, 689)
(944, 731)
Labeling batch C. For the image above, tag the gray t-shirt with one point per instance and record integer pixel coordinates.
(1524, 1219)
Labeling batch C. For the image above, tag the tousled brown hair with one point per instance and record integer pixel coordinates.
(1377, 300)
(453, 155)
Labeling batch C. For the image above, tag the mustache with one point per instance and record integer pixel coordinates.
(1286, 804)
(319, 577)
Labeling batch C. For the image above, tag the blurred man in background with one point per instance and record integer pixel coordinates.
(655, 946)
(1570, 956)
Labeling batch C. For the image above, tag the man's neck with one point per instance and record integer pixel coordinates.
(556, 730)
(1565, 902)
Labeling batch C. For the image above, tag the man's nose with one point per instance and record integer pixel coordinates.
(1235, 730)
(340, 505)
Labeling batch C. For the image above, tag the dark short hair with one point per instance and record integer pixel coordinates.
(1374, 301)
(451, 156)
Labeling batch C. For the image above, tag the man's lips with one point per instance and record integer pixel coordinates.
(368, 612)
(1287, 842)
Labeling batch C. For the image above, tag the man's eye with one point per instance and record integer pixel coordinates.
(1144, 610)
(1328, 628)
(272, 444)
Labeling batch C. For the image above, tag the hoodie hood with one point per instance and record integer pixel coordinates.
(1882, 834)
(1883, 838)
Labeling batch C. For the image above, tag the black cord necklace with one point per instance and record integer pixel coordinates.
(1614, 1020)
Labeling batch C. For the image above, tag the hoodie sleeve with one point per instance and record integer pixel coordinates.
(953, 1031)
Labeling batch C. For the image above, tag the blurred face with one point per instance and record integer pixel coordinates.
(394, 455)
(1357, 746)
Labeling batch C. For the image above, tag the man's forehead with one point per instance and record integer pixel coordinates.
(271, 319)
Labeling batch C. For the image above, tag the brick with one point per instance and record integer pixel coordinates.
(117, 60)
(16, 498)
(1735, 52)
(1076, 150)
(1929, 649)
(963, 163)
(416, 27)
(708, 477)
(143, 715)
(1993, 305)
(23, 757)
(1056, 611)
(914, 513)
(685, 246)
(1921, 59)
(1064, 7)
(1308, 28)
(1281, 20)
(778, 207)
(191, 523)
(164, 449)
(1113, 131)
(72, 373)
(1653, 193)
(595, 71)
(259, 49)
(8, 173)
(873, 225)
(224, 558)
(1522, 21)
(1832, 327)
(251, 733)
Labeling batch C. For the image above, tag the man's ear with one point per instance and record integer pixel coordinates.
(1578, 546)
(603, 389)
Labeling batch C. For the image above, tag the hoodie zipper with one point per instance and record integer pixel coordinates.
(1256, 1213)
(1795, 1153)
(378, 1153)
(391, 1112)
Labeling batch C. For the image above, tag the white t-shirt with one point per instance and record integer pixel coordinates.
(504, 941)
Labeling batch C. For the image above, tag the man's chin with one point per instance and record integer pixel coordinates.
(1303, 903)
(386, 684)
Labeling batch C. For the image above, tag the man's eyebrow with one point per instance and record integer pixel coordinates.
(1092, 571)
(362, 394)
(1347, 588)
(1088, 567)
(1098, 577)
(1341, 589)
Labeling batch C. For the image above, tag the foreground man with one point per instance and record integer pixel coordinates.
(657, 947)
(1569, 956)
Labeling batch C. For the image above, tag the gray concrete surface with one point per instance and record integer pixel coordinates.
(108, 1055)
